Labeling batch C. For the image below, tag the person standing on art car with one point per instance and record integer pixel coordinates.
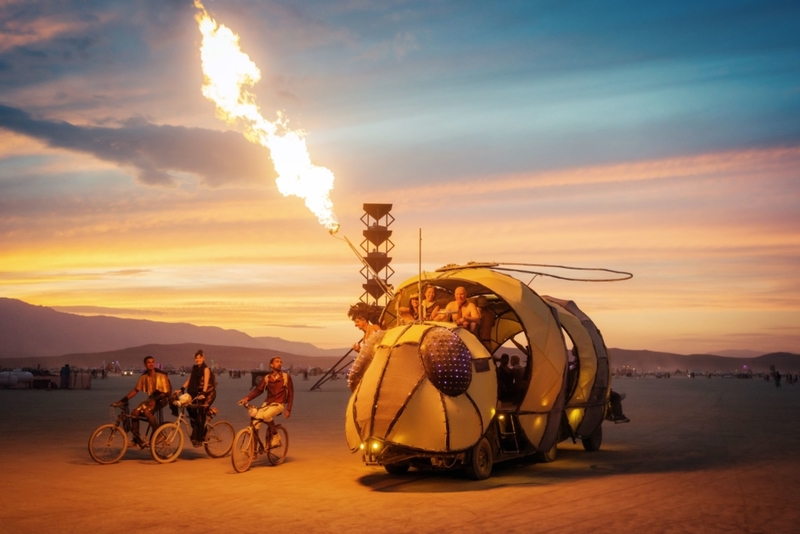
(518, 372)
(155, 383)
(201, 385)
(365, 318)
(505, 380)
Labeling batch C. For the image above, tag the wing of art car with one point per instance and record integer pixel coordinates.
(428, 394)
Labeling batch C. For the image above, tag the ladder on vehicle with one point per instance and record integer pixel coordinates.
(507, 431)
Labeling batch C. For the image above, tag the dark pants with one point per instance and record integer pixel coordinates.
(198, 416)
(616, 405)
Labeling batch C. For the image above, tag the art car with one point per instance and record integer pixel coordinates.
(426, 394)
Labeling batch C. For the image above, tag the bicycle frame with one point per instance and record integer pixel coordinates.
(248, 445)
(109, 441)
(121, 416)
(167, 442)
(255, 423)
(186, 421)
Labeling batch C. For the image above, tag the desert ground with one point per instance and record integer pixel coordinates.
(700, 455)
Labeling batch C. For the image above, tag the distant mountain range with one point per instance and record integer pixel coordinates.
(38, 335)
(36, 331)
(174, 356)
(737, 353)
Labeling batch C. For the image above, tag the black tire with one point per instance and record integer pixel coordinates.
(481, 460)
(276, 455)
(219, 439)
(243, 449)
(593, 442)
(107, 444)
(549, 455)
(167, 443)
(396, 469)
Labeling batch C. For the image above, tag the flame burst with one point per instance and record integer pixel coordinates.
(229, 73)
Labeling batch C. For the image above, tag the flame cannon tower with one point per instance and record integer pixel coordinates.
(376, 269)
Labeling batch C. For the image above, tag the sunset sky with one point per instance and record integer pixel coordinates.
(657, 138)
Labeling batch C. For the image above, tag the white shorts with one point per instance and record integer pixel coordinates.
(268, 411)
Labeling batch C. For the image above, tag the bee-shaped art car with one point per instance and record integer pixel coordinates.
(426, 394)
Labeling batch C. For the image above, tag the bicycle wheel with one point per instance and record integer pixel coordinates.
(166, 443)
(107, 444)
(276, 454)
(219, 439)
(242, 452)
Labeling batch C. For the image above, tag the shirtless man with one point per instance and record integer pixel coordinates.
(462, 312)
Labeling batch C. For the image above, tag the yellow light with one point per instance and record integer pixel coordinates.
(501, 417)
(361, 446)
(375, 446)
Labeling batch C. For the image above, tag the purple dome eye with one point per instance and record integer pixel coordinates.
(447, 361)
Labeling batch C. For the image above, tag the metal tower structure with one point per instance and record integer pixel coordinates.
(377, 245)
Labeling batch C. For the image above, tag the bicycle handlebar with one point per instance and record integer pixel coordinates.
(191, 404)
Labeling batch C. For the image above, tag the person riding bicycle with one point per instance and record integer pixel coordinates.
(201, 385)
(155, 383)
(280, 395)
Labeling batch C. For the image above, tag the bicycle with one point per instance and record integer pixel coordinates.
(248, 445)
(108, 442)
(166, 443)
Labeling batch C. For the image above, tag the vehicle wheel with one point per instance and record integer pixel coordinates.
(548, 455)
(480, 465)
(219, 439)
(166, 443)
(276, 455)
(396, 469)
(242, 451)
(107, 444)
(593, 442)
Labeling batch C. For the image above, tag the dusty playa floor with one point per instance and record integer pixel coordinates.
(700, 455)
